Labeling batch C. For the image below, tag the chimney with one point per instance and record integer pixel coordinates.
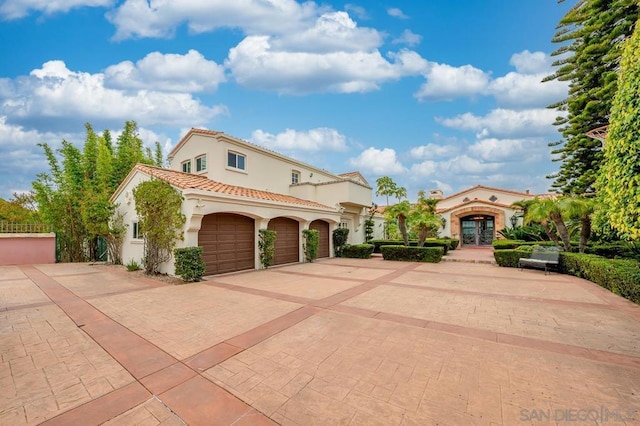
(435, 194)
(527, 191)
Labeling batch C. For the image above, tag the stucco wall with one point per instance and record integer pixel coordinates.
(25, 249)
(263, 171)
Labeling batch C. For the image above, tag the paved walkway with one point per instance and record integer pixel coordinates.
(339, 341)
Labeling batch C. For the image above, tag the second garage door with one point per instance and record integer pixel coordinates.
(323, 229)
(287, 240)
(228, 243)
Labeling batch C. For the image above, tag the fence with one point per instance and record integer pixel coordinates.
(24, 228)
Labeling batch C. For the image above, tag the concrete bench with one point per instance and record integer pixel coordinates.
(541, 258)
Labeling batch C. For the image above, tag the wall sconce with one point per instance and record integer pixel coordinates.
(340, 208)
(514, 220)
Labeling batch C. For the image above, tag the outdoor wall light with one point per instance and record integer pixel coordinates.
(514, 220)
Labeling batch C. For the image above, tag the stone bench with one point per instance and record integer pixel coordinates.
(541, 258)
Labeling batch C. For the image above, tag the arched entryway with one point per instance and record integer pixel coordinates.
(228, 243)
(477, 230)
(287, 244)
(323, 229)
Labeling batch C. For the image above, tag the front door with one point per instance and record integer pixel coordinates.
(477, 230)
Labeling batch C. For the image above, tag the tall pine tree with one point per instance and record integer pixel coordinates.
(592, 33)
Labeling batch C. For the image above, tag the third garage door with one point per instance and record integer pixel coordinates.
(287, 240)
(323, 229)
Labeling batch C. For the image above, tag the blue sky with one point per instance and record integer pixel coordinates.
(435, 94)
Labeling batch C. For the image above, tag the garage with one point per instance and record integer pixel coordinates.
(287, 240)
(323, 229)
(228, 243)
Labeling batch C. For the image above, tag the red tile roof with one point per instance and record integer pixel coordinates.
(190, 181)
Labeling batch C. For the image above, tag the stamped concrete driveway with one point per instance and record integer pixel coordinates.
(339, 341)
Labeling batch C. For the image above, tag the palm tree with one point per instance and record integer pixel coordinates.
(545, 210)
(580, 208)
(400, 211)
(423, 217)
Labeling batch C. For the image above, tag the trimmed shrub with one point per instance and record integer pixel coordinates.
(310, 244)
(620, 276)
(357, 251)
(431, 242)
(509, 257)
(453, 243)
(267, 246)
(189, 264)
(514, 244)
(340, 236)
(412, 254)
(618, 249)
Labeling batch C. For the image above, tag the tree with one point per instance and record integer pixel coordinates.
(424, 219)
(580, 208)
(387, 187)
(539, 211)
(619, 181)
(20, 209)
(73, 197)
(593, 30)
(158, 206)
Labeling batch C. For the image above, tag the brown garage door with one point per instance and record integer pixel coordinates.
(323, 228)
(227, 242)
(287, 240)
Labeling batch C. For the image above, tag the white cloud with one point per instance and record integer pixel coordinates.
(521, 150)
(55, 92)
(445, 82)
(396, 13)
(527, 90)
(526, 62)
(378, 161)
(433, 151)
(408, 37)
(457, 166)
(15, 9)
(255, 63)
(188, 73)
(314, 140)
(506, 123)
(358, 11)
(332, 32)
(142, 18)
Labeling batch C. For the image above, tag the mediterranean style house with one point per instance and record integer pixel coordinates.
(477, 214)
(232, 189)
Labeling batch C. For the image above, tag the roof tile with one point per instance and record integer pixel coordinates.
(190, 181)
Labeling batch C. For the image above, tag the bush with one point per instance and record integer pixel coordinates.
(617, 249)
(340, 236)
(453, 242)
(432, 242)
(514, 244)
(132, 266)
(310, 244)
(620, 276)
(509, 257)
(412, 254)
(357, 251)
(189, 264)
(267, 246)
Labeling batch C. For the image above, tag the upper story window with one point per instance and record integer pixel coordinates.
(186, 166)
(295, 177)
(237, 161)
(137, 232)
(201, 163)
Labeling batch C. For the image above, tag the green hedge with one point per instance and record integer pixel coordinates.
(357, 251)
(514, 244)
(618, 249)
(189, 264)
(620, 276)
(509, 257)
(412, 254)
(453, 242)
(431, 242)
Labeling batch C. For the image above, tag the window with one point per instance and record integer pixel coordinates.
(137, 232)
(295, 177)
(235, 160)
(186, 166)
(201, 163)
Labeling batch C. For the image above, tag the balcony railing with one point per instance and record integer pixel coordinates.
(24, 228)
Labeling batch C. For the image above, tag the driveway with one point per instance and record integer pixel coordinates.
(339, 341)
